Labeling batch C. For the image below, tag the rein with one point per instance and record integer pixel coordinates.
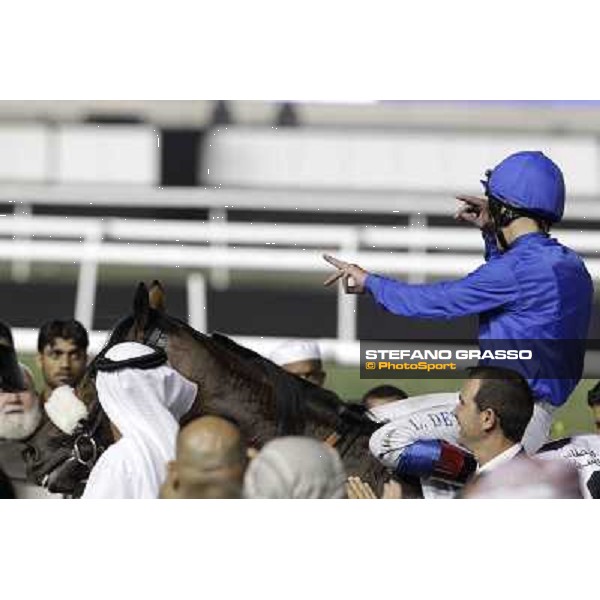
(157, 338)
(333, 439)
(336, 439)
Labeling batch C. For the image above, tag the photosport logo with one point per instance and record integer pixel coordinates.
(449, 359)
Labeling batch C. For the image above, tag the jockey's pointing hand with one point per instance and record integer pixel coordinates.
(353, 276)
(474, 209)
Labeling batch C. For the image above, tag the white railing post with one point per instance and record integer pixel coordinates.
(196, 298)
(219, 276)
(417, 221)
(21, 268)
(347, 303)
(88, 278)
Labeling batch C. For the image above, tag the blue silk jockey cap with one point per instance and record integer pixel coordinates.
(530, 181)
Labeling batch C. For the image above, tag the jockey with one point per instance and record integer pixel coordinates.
(530, 288)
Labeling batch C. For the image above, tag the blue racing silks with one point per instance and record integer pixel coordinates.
(537, 290)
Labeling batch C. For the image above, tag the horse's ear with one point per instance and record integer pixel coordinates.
(140, 300)
(141, 310)
(157, 296)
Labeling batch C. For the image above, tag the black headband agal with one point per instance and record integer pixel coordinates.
(147, 361)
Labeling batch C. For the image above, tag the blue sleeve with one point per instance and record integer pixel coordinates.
(492, 285)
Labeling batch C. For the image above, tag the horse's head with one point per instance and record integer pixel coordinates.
(150, 324)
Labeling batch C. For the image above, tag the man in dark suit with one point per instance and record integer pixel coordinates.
(494, 408)
(437, 438)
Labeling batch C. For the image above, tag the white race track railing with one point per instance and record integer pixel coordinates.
(403, 202)
(89, 242)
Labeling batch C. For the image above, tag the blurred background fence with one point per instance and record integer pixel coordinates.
(232, 203)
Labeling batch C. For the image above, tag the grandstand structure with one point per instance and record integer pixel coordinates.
(233, 204)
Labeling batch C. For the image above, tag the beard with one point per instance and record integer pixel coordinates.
(20, 425)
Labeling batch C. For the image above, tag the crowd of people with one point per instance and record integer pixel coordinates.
(62, 357)
(467, 449)
(490, 439)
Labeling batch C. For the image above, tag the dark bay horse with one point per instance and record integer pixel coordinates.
(265, 400)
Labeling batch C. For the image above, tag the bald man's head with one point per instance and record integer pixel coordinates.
(210, 461)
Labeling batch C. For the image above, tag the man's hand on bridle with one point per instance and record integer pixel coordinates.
(352, 275)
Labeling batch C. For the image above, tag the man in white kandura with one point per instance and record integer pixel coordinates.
(145, 400)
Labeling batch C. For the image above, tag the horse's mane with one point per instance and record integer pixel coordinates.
(288, 389)
(264, 380)
(241, 373)
(300, 403)
(292, 404)
(299, 400)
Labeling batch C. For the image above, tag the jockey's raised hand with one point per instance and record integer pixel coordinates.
(354, 277)
(474, 209)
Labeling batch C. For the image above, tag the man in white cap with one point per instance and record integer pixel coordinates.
(145, 400)
(301, 358)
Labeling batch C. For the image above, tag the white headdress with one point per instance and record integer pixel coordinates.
(145, 406)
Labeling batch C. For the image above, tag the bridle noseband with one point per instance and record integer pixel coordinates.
(157, 338)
